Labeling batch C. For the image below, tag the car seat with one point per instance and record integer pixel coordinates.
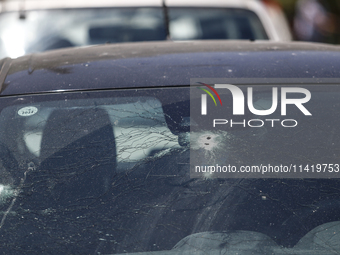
(78, 153)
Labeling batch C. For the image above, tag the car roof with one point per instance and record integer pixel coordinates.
(159, 64)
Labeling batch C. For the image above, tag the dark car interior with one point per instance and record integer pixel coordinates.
(75, 197)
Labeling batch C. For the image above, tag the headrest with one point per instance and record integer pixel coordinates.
(78, 152)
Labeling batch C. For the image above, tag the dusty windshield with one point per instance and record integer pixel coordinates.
(51, 29)
(109, 173)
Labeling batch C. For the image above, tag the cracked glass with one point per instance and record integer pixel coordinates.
(109, 173)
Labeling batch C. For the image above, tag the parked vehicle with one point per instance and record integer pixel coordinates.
(35, 26)
(120, 148)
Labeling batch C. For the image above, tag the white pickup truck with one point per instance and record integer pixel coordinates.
(39, 25)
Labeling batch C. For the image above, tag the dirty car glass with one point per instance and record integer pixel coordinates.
(108, 173)
(43, 30)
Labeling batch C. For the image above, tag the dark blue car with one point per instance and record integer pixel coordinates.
(215, 147)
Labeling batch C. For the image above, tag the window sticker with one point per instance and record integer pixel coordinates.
(28, 111)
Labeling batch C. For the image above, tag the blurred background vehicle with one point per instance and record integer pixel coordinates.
(39, 25)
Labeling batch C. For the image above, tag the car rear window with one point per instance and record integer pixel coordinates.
(110, 172)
